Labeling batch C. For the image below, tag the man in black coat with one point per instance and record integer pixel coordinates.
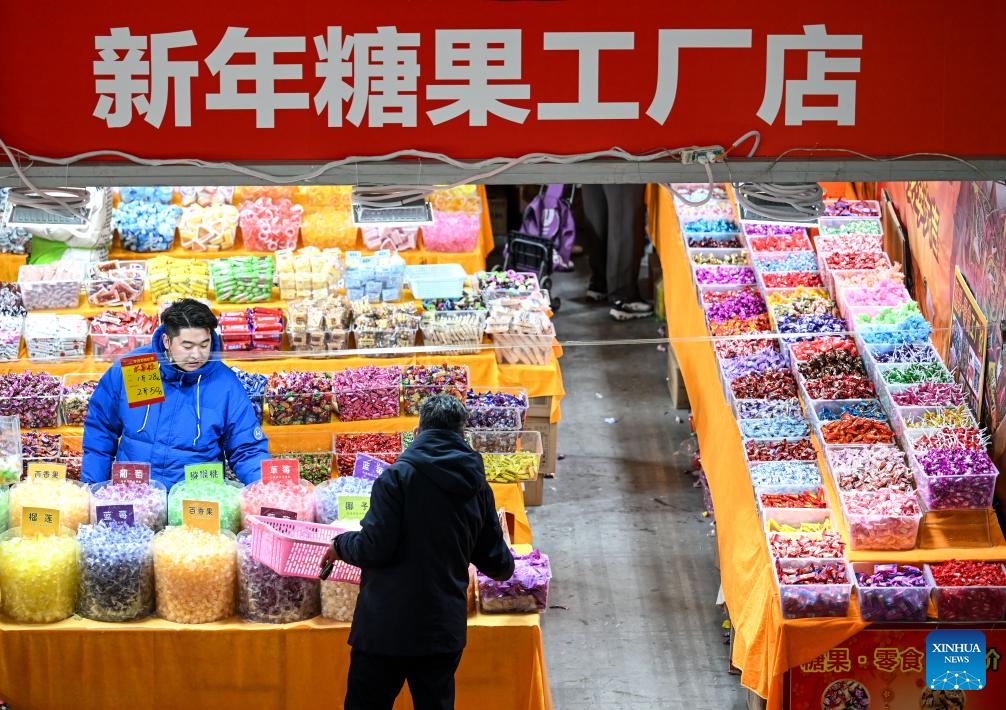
(431, 514)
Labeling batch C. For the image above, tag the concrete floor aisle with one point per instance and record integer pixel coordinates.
(640, 630)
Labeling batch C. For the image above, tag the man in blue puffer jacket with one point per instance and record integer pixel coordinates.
(205, 414)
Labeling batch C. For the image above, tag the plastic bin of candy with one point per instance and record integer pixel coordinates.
(880, 531)
(288, 407)
(386, 446)
(52, 338)
(715, 240)
(770, 508)
(785, 261)
(454, 328)
(889, 603)
(827, 410)
(50, 286)
(847, 297)
(963, 492)
(491, 284)
(521, 349)
(115, 283)
(520, 461)
(39, 575)
(11, 328)
(357, 399)
(798, 520)
(429, 281)
(75, 395)
(760, 227)
(850, 225)
(808, 600)
(967, 603)
(767, 244)
(507, 415)
(317, 341)
(927, 419)
(107, 347)
(395, 337)
(763, 408)
(822, 434)
(208, 228)
(935, 372)
(788, 280)
(313, 451)
(718, 257)
(329, 228)
(840, 209)
(440, 379)
(525, 592)
(925, 351)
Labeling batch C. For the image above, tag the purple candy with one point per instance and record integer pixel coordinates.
(744, 305)
(725, 275)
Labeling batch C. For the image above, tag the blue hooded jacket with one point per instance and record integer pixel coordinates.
(205, 416)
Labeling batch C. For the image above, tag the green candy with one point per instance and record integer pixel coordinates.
(510, 468)
(227, 494)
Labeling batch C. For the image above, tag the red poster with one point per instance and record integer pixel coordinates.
(256, 80)
(886, 666)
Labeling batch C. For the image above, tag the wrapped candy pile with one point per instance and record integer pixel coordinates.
(31, 396)
(300, 397)
(496, 409)
(74, 398)
(319, 325)
(525, 591)
(452, 232)
(329, 228)
(116, 572)
(367, 392)
(242, 279)
(338, 600)
(735, 311)
(957, 478)
(374, 278)
(297, 499)
(71, 498)
(149, 501)
(116, 333)
(170, 278)
(870, 468)
(892, 592)
(826, 545)
(270, 598)
(309, 273)
(115, 283)
(384, 325)
(146, 226)
(51, 337)
(812, 588)
(784, 473)
(226, 493)
(50, 286)
(208, 228)
(521, 329)
(725, 276)
(495, 284)
(269, 224)
(253, 329)
(326, 495)
(384, 446)
(195, 574)
(422, 381)
(881, 520)
(969, 591)
(254, 385)
(38, 576)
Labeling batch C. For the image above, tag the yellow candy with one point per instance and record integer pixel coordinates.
(211, 228)
(323, 195)
(170, 277)
(457, 199)
(195, 574)
(328, 227)
(71, 498)
(779, 297)
(38, 576)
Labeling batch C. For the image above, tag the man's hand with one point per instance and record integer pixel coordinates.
(331, 557)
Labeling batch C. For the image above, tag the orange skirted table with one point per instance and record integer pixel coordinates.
(159, 665)
(766, 645)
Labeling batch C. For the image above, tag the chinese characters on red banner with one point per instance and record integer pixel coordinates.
(374, 78)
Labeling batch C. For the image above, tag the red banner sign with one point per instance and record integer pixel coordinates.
(256, 80)
(886, 667)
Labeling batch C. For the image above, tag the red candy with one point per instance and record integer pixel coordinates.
(968, 573)
(739, 326)
(807, 349)
(856, 430)
(792, 279)
(804, 499)
(855, 260)
(801, 450)
(791, 242)
(772, 384)
(840, 387)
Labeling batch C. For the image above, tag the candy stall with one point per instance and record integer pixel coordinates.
(851, 483)
(337, 335)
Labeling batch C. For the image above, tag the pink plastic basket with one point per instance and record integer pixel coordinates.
(295, 548)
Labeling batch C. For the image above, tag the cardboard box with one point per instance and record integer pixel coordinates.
(675, 383)
(549, 439)
(539, 407)
(534, 492)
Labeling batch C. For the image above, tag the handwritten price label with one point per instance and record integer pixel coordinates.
(202, 514)
(353, 507)
(44, 471)
(141, 377)
(213, 471)
(285, 471)
(130, 472)
(39, 521)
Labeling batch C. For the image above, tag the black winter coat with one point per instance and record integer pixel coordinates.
(431, 514)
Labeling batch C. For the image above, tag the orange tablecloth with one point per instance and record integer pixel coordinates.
(158, 665)
(766, 645)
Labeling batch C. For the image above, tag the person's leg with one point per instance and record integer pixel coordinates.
(595, 209)
(626, 234)
(374, 681)
(431, 681)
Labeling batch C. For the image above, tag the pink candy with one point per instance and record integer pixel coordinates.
(270, 225)
(885, 293)
(297, 499)
(881, 520)
(368, 392)
(452, 232)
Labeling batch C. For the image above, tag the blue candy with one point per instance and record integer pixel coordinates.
(867, 410)
(784, 473)
(712, 225)
(825, 323)
(776, 428)
(254, 384)
(147, 194)
(146, 226)
(794, 261)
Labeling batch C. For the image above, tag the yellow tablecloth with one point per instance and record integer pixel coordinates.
(158, 665)
(766, 645)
